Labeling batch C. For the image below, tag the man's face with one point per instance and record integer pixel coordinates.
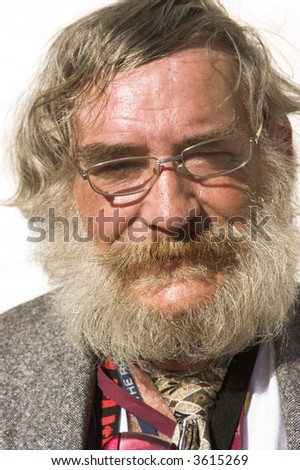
(156, 108)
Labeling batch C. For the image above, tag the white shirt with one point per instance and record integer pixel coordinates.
(263, 425)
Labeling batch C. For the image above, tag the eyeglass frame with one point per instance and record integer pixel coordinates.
(176, 158)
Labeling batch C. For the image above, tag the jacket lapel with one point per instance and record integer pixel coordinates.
(64, 402)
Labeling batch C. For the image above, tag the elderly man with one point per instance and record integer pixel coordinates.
(155, 162)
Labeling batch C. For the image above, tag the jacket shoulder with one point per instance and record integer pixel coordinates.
(30, 320)
(48, 384)
(287, 349)
(24, 314)
(288, 345)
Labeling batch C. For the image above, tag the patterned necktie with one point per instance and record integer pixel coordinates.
(190, 396)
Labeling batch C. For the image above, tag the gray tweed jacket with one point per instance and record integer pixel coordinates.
(49, 386)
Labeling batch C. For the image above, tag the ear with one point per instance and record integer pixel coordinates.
(283, 135)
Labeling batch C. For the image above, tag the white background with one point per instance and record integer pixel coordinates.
(26, 26)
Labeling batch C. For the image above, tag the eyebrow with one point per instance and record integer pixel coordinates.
(222, 131)
(98, 152)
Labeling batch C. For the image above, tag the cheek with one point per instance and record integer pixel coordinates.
(226, 199)
(233, 195)
(87, 201)
(107, 222)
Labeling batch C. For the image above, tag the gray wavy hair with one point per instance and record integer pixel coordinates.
(125, 35)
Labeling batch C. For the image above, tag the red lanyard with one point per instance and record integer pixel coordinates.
(136, 407)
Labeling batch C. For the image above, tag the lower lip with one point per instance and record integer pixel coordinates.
(173, 264)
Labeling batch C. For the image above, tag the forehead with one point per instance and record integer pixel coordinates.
(180, 92)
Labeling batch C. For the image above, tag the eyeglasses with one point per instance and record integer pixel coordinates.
(131, 175)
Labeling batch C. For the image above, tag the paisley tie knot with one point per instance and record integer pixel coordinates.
(190, 396)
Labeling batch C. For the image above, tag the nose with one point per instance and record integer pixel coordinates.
(172, 202)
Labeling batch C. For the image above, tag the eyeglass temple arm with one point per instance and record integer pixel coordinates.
(258, 132)
(83, 174)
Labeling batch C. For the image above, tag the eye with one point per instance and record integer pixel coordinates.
(120, 166)
(207, 159)
(218, 156)
(123, 176)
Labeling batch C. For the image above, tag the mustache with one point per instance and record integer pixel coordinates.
(209, 250)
